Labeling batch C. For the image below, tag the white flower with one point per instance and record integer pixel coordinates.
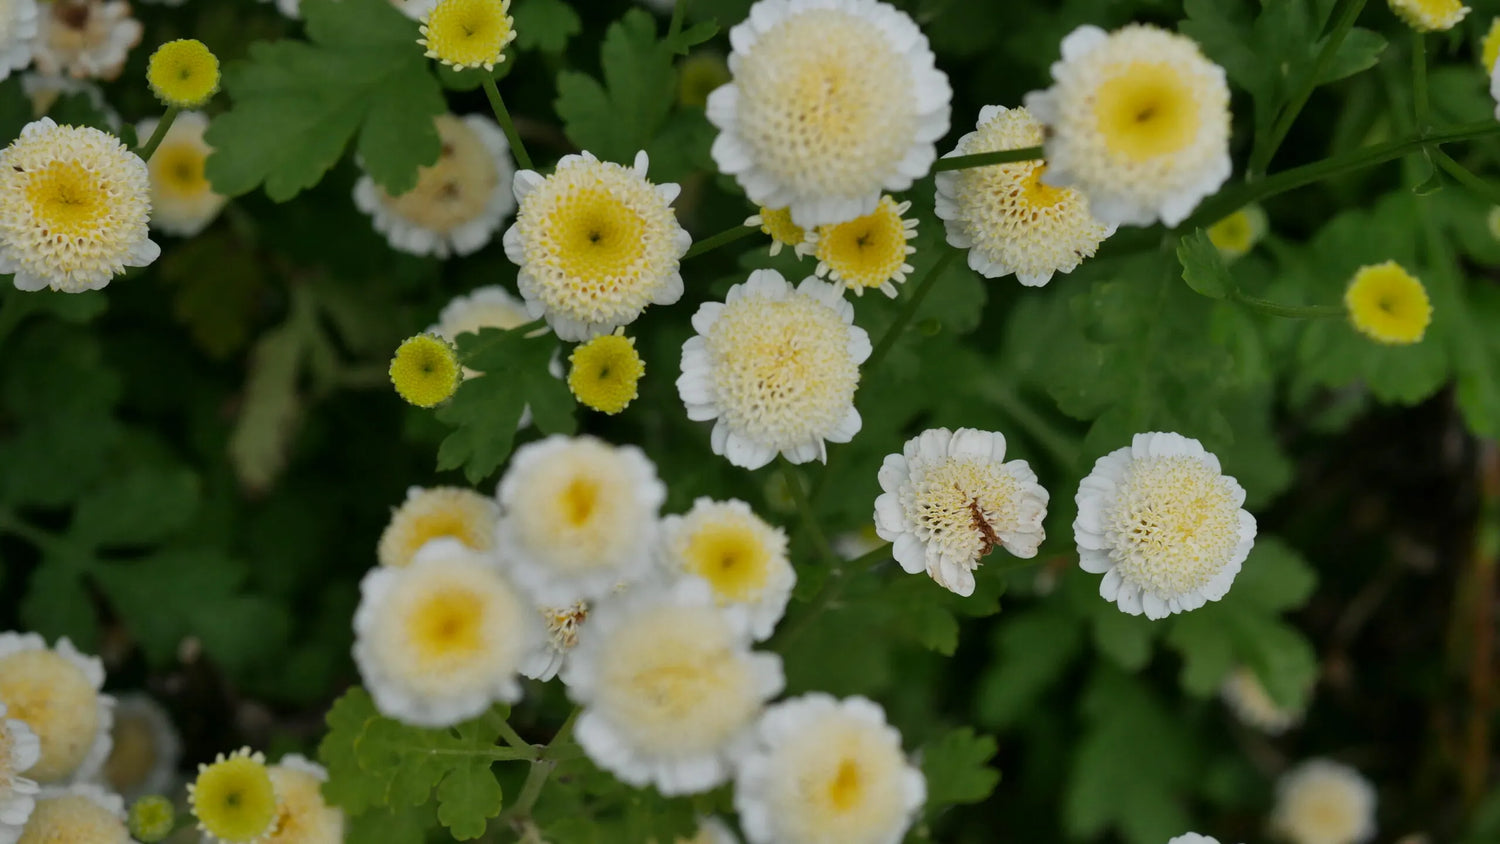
(741, 557)
(1193, 838)
(578, 517)
(85, 39)
(440, 640)
(1163, 524)
(459, 201)
(711, 831)
(596, 243)
(302, 815)
(669, 687)
(1139, 122)
(1253, 705)
(1005, 215)
(832, 102)
(44, 92)
(949, 499)
(438, 513)
(549, 655)
(1323, 802)
(18, 27)
(867, 251)
(78, 814)
(1430, 15)
(776, 368)
(19, 750)
(826, 770)
(483, 307)
(146, 748)
(182, 200)
(56, 692)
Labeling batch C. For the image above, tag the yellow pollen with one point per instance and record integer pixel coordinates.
(597, 235)
(1038, 195)
(778, 224)
(1430, 15)
(1146, 110)
(606, 372)
(1387, 304)
(731, 558)
(580, 499)
(425, 370)
(868, 251)
(183, 74)
(846, 789)
(66, 198)
(446, 624)
(468, 33)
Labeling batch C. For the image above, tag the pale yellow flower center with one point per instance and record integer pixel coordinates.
(1145, 110)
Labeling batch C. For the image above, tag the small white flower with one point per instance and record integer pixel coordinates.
(827, 770)
(1163, 524)
(78, 814)
(578, 517)
(146, 748)
(869, 251)
(1324, 802)
(182, 200)
(1253, 705)
(1193, 838)
(443, 512)
(56, 692)
(302, 815)
(85, 39)
(776, 369)
(832, 102)
(1139, 122)
(18, 28)
(441, 639)
(669, 687)
(19, 751)
(549, 655)
(741, 557)
(949, 499)
(1430, 15)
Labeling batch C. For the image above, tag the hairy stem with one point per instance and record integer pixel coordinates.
(1277, 309)
(502, 116)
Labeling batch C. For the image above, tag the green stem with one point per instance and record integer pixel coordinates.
(543, 762)
(514, 739)
(1419, 78)
(888, 339)
(564, 736)
(984, 159)
(1486, 190)
(679, 11)
(723, 238)
(1277, 309)
(1264, 152)
(809, 518)
(1064, 452)
(161, 132)
(517, 148)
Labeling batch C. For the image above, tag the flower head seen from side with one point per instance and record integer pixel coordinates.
(830, 105)
(302, 815)
(183, 73)
(85, 39)
(1430, 15)
(949, 499)
(468, 33)
(578, 518)
(1163, 524)
(776, 368)
(827, 770)
(741, 557)
(183, 201)
(1324, 802)
(146, 748)
(234, 798)
(605, 372)
(669, 687)
(19, 751)
(459, 201)
(1235, 235)
(868, 251)
(440, 640)
(56, 692)
(74, 208)
(444, 512)
(1005, 215)
(78, 814)
(18, 28)
(1388, 304)
(777, 222)
(425, 370)
(549, 655)
(1248, 699)
(1139, 122)
(596, 243)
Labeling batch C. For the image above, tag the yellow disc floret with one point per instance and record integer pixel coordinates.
(1388, 304)
(73, 817)
(438, 513)
(1430, 15)
(468, 33)
(868, 251)
(605, 373)
(777, 222)
(234, 798)
(59, 702)
(183, 73)
(425, 370)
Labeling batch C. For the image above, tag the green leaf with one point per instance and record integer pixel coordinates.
(623, 114)
(216, 284)
(350, 786)
(1203, 267)
(691, 37)
(956, 765)
(1034, 650)
(1124, 638)
(1360, 51)
(545, 25)
(143, 506)
(58, 603)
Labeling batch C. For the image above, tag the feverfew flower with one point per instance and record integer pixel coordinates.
(19, 751)
(234, 799)
(483, 307)
(548, 655)
(1139, 122)
(459, 201)
(1193, 838)
(1235, 235)
(468, 33)
(827, 770)
(1324, 802)
(605, 372)
(18, 27)
(776, 368)
(711, 831)
(1430, 15)
(1388, 304)
(85, 39)
(78, 814)
(74, 207)
(151, 818)
(777, 222)
(146, 749)
(868, 251)
(1163, 524)
(832, 103)
(1005, 215)
(56, 692)
(302, 815)
(741, 557)
(444, 512)
(578, 518)
(182, 200)
(596, 243)
(949, 500)
(669, 687)
(425, 370)
(183, 73)
(439, 640)
(1253, 705)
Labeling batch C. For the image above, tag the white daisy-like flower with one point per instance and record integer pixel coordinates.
(1430, 15)
(182, 200)
(18, 28)
(1005, 215)
(549, 655)
(1324, 802)
(669, 687)
(458, 203)
(44, 92)
(146, 748)
(827, 770)
(78, 814)
(832, 103)
(85, 39)
(1248, 699)
(1139, 122)
(74, 207)
(711, 831)
(776, 368)
(302, 815)
(777, 222)
(596, 243)
(56, 692)
(441, 639)
(1193, 838)
(19, 751)
(444, 512)
(1163, 524)
(578, 517)
(741, 557)
(867, 251)
(949, 499)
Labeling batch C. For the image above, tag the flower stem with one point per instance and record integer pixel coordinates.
(679, 11)
(542, 765)
(1419, 78)
(809, 518)
(723, 238)
(1277, 309)
(517, 148)
(828, 595)
(161, 132)
(513, 738)
(1486, 190)
(888, 339)
(984, 159)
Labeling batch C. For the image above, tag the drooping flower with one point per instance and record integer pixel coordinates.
(1163, 524)
(1138, 121)
(183, 201)
(776, 368)
(468, 33)
(1324, 802)
(777, 222)
(1430, 15)
(868, 251)
(596, 243)
(605, 372)
(443, 512)
(56, 692)
(19, 751)
(1388, 304)
(827, 770)
(1005, 215)
(78, 814)
(1235, 235)
(832, 103)
(1248, 699)
(425, 370)
(741, 557)
(85, 39)
(302, 815)
(949, 499)
(234, 798)
(549, 655)
(183, 73)
(145, 748)
(18, 28)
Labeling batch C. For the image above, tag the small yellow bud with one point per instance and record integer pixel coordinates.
(605, 372)
(1387, 304)
(425, 370)
(152, 818)
(183, 73)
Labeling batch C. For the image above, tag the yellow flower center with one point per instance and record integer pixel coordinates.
(73, 819)
(177, 169)
(468, 33)
(1146, 110)
(425, 370)
(302, 817)
(778, 224)
(1387, 304)
(442, 512)
(1175, 525)
(133, 756)
(1038, 196)
(846, 788)
(596, 235)
(183, 73)
(456, 188)
(234, 799)
(606, 372)
(1430, 15)
(446, 625)
(867, 251)
(579, 501)
(844, 783)
(1233, 234)
(56, 699)
(67, 199)
(731, 557)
